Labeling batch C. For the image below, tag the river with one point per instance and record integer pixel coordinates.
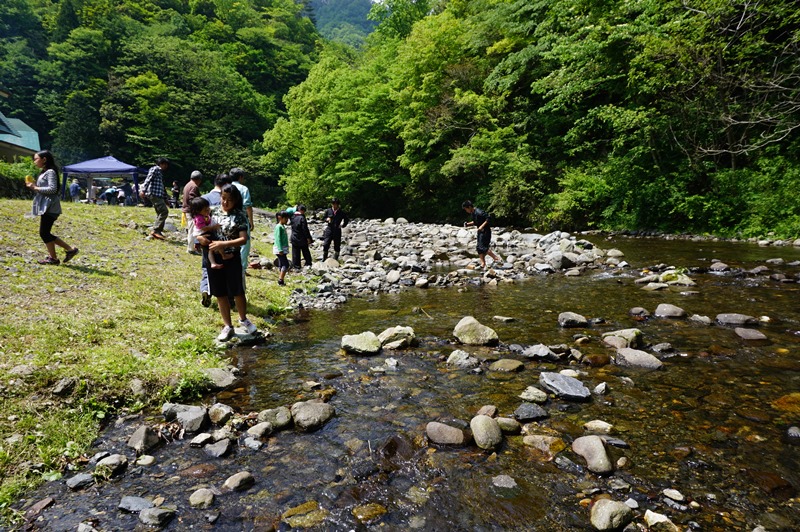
(709, 424)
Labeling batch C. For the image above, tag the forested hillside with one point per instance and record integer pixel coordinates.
(677, 115)
(344, 21)
(198, 81)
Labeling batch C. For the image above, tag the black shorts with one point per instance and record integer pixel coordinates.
(226, 281)
(484, 240)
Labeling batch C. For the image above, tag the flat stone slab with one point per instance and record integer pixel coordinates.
(636, 359)
(564, 386)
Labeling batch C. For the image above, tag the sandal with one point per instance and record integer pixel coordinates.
(49, 260)
(71, 253)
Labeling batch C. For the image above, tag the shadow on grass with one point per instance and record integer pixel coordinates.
(90, 269)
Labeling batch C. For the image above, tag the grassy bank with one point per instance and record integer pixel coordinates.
(125, 308)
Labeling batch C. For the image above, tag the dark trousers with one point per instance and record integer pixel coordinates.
(331, 235)
(297, 250)
(162, 211)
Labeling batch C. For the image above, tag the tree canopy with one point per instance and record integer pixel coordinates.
(198, 81)
(675, 115)
(665, 115)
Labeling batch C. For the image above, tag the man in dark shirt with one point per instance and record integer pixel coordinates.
(336, 218)
(153, 189)
(301, 237)
(480, 219)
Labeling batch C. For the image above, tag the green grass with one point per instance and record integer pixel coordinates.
(125, 308)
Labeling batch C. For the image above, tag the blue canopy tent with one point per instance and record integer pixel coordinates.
(102, 167)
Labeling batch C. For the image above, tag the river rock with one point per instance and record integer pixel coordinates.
(461, 359)
(219, 413)
(718, 267)
(80, 481)
(469, 331)
(156, 516)
(366, 343)
(201, 439)
(549, 446)
(506, 365)
(637, 359)
(220, 378)
(593, 450)
(134, 505)
(192, 418)
(239, 482)
(112, 464)
(202, 498)
(218, 449)
(659, 522)
(539, 351)
(512, 426)
(280, 417)
(145, 460)
(530, 412)
(397, 337)
(623, 338)
(598, 426)
(569, 320)
(306, 516)
(504, 481)
(607, 514)
(260, 430)
(676, 278)
(486, 432)
(310, 415)
(368, 513)
(666, 310)
(445, 434)
(753, 335)
(564, 386)
(736, 320)
(532, 394)
(143, 439)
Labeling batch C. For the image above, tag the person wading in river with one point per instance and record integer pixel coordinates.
(480, 219)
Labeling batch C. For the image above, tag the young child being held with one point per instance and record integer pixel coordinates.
(204, 227)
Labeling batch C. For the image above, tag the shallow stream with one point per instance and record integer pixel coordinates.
(706, 425)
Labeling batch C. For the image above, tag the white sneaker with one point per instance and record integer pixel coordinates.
(248, 325)
(225, 334)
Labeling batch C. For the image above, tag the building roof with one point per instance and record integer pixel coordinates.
(5, 127)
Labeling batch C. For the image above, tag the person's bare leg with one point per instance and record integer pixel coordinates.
(241, 306)
(225, 310)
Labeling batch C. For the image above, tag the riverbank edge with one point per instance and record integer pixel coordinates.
(118, 329)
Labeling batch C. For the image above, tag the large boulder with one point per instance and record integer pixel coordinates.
(366, 343)
(470, 332)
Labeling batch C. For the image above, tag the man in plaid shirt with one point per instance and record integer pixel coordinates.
(153, 189)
